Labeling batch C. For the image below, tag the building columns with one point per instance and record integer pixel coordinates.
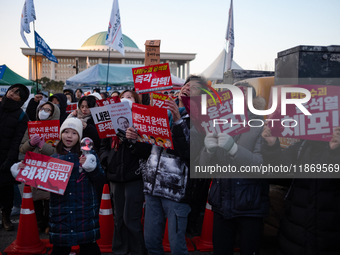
(188, 68)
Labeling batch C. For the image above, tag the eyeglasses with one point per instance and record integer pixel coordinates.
(45, 110)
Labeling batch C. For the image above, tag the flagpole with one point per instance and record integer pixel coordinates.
(107, 75)
(35, 56)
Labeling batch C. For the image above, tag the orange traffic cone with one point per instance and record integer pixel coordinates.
(204, 241)
(27, 241)
(166, 244)
(106, 222)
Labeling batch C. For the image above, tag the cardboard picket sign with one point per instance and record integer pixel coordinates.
(48, 129)
(153, 125)
(102, 120)
(324, 109)
(45, 172)
(152, 78)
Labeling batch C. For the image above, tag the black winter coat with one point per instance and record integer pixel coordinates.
(311, 224)
(11, 132)
(31, 109)
(123, 165)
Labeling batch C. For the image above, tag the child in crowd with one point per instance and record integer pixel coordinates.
(74, 218)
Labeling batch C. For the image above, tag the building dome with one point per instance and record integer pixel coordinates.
(97, 42)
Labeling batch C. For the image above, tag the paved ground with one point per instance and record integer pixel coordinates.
(268, 246)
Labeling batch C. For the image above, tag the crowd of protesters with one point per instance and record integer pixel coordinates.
(145, 174)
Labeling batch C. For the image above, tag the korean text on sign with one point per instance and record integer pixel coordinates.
(152, 78)
(324, 109)
(48, 129)
(219, 117)
(45, 172)
(153, 125)
(102, 120)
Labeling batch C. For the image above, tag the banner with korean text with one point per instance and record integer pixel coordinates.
(102, 120)
(152, 78)
(159, 99)
(219, 117)
(47, 129)
(45, 172)
(324, 109)
(153, 125)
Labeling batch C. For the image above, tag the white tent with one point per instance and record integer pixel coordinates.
(215, 70)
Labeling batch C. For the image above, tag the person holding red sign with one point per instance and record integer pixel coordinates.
(167, 184)
(123, 169)
(46, 111)
(74, 218)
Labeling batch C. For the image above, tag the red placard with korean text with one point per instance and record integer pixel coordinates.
(159, 99)
(152, 78)
(324, 109)
(45, 172)
(109, 100)
(219, 118)
(102, 120)
(48, 129)
(71, 107)
(153, 125)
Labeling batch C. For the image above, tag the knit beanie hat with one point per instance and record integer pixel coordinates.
(73, 123)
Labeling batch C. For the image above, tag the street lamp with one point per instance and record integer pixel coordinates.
(76, 66)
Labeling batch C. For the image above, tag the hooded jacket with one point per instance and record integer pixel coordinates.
(13, 123)
(47, 149)
(63, 104)
(311, 223)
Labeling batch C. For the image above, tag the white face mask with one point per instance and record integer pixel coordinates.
(68, 102)
(127, 100)
(43, 115)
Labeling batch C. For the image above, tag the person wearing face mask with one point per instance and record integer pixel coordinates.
(46, 111)
(123, 170)
(13, 123)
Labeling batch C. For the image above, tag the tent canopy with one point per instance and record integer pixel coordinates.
(215, 70)
(119, 75)
(8, 77)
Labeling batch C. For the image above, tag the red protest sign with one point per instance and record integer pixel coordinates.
(153, 125)
(324, 109)
(159, 99)
(219, 118)
(48, 129)
(152, 78)
(102, 120)
(109, 100)
(71, 107)
(45, 172)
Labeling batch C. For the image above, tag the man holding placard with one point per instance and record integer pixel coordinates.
(166, 179)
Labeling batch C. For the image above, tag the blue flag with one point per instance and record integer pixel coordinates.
(43, 48)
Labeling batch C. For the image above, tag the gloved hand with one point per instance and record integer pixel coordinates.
(41, 143)
(15, 169)
(35, 140)
(227, 143)
(210, 142)
(90, 163)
